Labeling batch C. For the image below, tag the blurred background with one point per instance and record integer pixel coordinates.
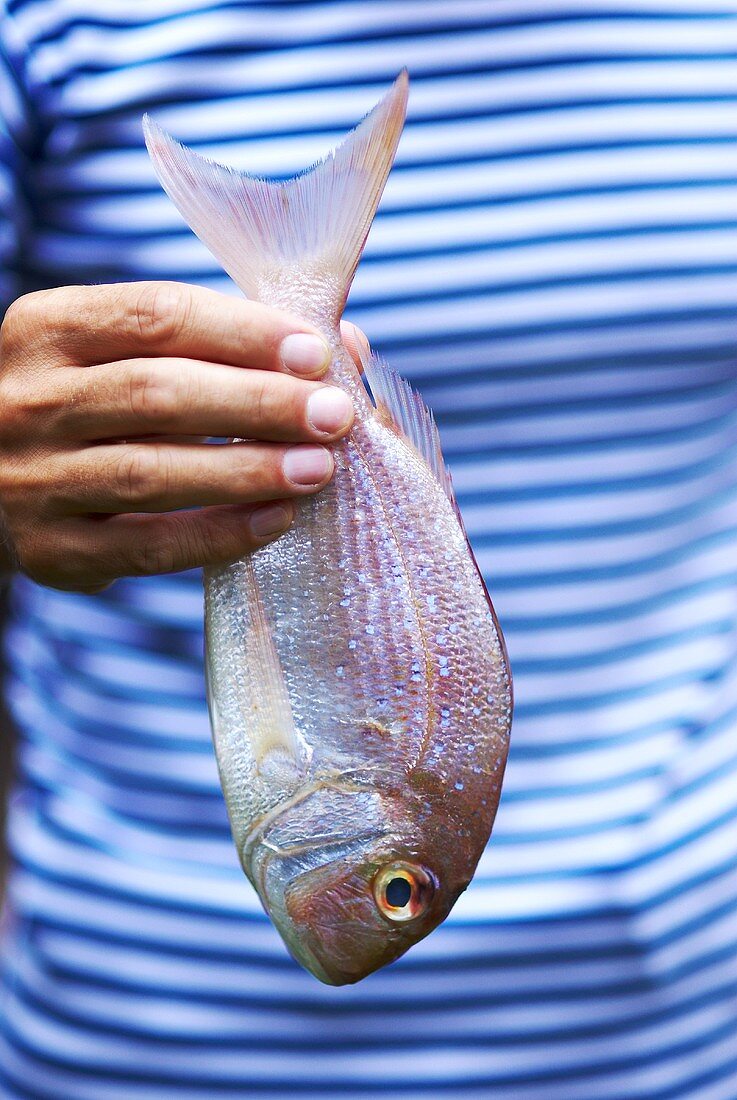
(554, 266)
(7, 738)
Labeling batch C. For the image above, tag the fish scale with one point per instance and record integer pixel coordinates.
(466, 667)
(304, 584)
(359, 688)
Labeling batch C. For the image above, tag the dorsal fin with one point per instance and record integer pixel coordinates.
(401, 407)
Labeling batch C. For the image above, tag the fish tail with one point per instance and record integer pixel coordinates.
(266, 233)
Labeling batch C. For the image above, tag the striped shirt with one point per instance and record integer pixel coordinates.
(554, 265)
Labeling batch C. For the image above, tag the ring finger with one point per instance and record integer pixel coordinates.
(160, 477)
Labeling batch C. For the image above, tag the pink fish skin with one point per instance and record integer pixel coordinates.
(359, 687)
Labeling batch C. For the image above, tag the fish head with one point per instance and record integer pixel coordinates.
(348, 881)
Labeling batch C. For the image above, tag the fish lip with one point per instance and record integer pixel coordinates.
(309, 960)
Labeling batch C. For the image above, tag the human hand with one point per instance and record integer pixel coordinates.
(106, 396)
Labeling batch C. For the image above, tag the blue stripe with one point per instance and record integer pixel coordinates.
(413, 26)
(719, 993)
(550, 107)
(329, 1086)
(561, 429)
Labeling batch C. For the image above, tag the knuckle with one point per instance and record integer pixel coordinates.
(41, 310)
(160, 311)
(156, 552)
(138, 473)
(223, 538)
(152, 396)
(24, 487)
(260, 397)
(60, 557)
(34, 411)
(42, 559)
(13, 326)
(184, 543)
(25, 309)
(15, 402)
(212, 536)
(34, 401)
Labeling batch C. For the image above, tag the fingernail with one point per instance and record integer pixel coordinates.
(329, 409)
(272, 519)
(302, 353)
(307, 465)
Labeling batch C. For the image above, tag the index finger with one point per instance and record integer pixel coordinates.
(89, 325)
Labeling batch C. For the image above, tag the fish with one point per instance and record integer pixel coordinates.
(358, 683)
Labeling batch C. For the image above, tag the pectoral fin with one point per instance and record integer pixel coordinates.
(270, 725)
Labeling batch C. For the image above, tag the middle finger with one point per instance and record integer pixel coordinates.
(138, 397)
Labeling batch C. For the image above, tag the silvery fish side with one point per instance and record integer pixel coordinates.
(359, 688)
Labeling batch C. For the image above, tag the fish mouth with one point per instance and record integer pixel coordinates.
(302, 953)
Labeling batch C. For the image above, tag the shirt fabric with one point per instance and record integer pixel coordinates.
(554, 265)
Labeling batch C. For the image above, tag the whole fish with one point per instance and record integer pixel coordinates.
(359, 689)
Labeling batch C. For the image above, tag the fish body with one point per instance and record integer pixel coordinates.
(359, 689)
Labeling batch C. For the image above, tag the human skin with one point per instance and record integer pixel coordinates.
(107, 395)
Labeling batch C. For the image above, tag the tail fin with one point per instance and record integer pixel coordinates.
(260, 231)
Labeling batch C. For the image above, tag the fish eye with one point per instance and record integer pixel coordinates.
(403, 890)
